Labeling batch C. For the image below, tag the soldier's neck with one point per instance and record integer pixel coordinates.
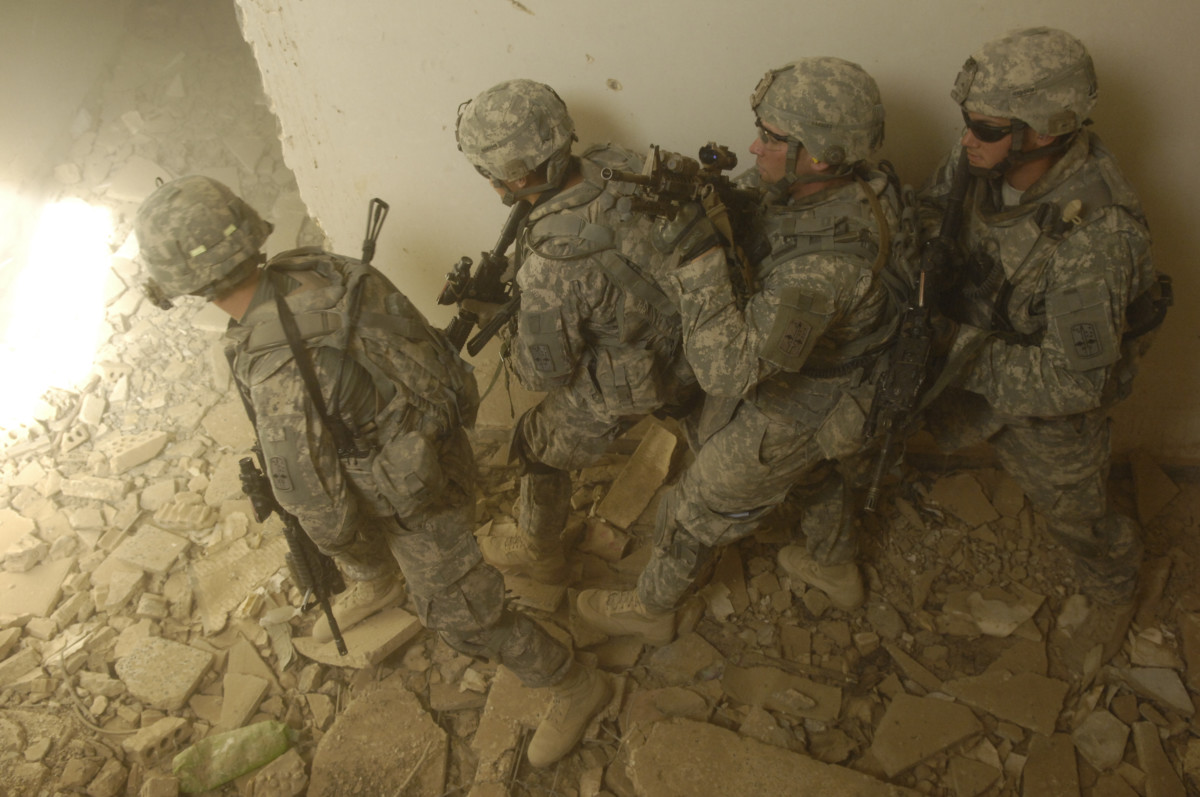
(237, 301)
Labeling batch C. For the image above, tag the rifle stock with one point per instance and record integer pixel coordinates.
(315, 573)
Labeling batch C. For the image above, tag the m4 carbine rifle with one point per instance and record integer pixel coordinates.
(669, 180)
(316, 574)
(903, 384)
(490, 284)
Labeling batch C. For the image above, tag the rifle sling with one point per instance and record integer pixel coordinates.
(342, 436)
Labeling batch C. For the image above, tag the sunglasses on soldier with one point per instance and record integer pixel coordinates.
(987, 133)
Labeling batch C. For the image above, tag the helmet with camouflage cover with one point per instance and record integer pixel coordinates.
(511, 129)
(1042, 77)
(197, 237)
(828, 105)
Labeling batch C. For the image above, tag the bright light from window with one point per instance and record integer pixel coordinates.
(56, 307)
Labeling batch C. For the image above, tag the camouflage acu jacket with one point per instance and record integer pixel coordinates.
(1049, 283)
(592, 315)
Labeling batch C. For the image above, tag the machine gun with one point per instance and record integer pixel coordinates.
(314, 572)
(902, 385)
(490, 284)
(669, 180)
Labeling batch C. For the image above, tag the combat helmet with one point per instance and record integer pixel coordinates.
(1040, 78)
(513, 128)
(197, 237)
(827, 105)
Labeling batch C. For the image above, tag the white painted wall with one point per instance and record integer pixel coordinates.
(367, 92)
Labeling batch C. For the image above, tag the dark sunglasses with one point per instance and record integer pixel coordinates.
(766, 136)
(989, 134)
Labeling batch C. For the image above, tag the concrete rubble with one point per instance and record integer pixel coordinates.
(142, 608)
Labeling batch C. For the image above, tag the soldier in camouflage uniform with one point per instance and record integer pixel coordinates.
(1054, 298)
(371, 454)
(595, 332)
(796, 364)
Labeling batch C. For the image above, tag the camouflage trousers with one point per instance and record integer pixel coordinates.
(1062, 464)
(568, 430)
(457, 593)
(740, 473)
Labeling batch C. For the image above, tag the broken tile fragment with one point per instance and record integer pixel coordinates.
(960, 495)
(972, 778)
(1032, 701)
(163, 673)
(1161, 780)
(999, 613)
(913, 669)
(241, 695)
(151, 549)
(19, 665)
(222, 579)
(916, 728)
(511, 707)
(286, 776)
(686, 660)
(783, 692)
(34, 593)
(1051, 770)
(684, 758)
(1101, 739)
(645, 472)
(655, 705)
(367, 643)
(13, 527)
(1161, 685)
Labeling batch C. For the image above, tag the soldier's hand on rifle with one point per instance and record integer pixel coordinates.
(485, 310)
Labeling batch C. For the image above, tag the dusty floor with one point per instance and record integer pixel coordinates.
(952, 680)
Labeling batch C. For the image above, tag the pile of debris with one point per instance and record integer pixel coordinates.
(145, 615)
(145, 610)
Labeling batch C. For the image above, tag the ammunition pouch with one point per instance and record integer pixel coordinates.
(408, 472)
(628, 380)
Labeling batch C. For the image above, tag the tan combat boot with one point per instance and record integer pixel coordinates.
(574, 701)
(622, 613)
(842, 583)
(360, 600)
(516, 555)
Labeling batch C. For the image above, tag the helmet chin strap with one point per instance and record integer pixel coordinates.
(783, 186)
(556, 175)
